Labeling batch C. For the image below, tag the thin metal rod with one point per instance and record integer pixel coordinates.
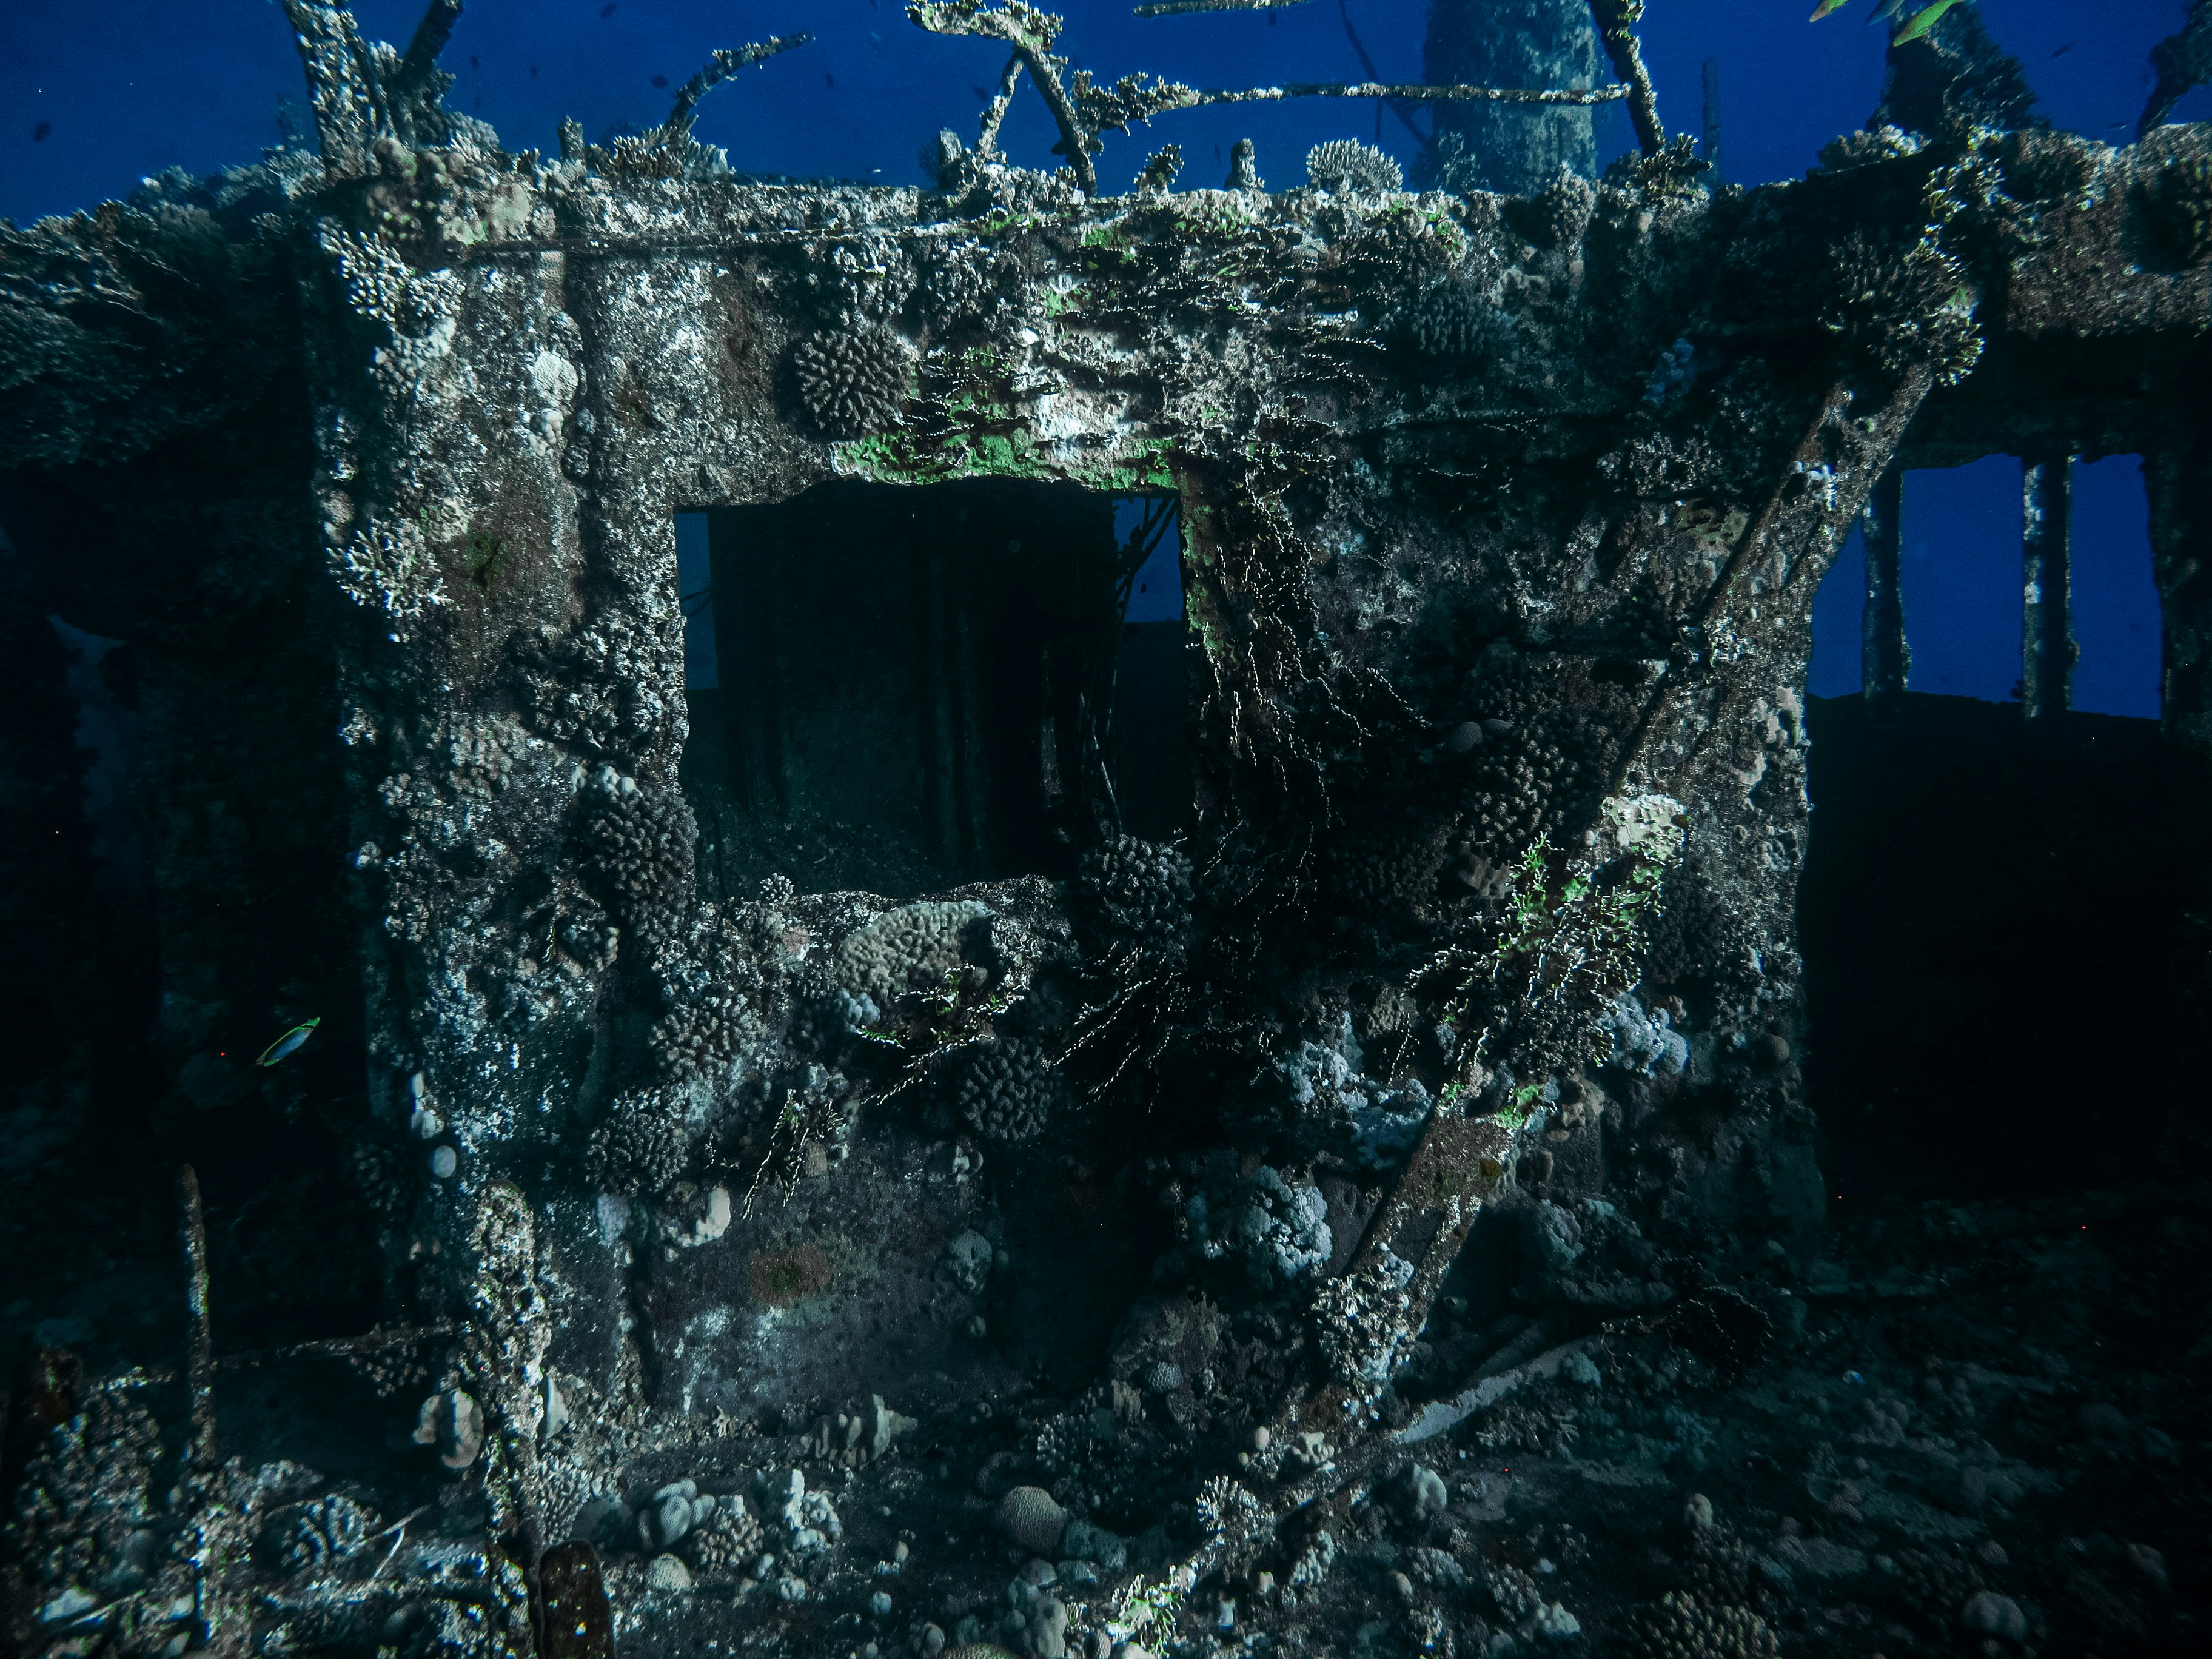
(1712, 138)
(1605, 95)
(1885, 657)
(1180, 8)
(2048, 652)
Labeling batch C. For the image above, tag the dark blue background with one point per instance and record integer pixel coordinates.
(125, 88)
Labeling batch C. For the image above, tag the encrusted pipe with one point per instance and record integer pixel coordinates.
(2183, 63)
(429, 38)
(677, 130)
(1616, 23)
(2048, 652)
(1885, 657)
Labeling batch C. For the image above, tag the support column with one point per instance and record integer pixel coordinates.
(1885, 659)
(2178, 478)
(1516, 148)
(2048, 652)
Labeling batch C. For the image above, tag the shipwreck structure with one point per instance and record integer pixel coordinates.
(741, 1115)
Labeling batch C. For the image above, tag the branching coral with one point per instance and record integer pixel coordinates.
(1568, 202)
(1530, 987)
(1158, 173)
(959, 288)
(709, 1018)
(1349, 167)
(1668, 173)
(1894, 307)
(853, 381)
(1865, 146)
(727, 1538)
(1548, 742)
(641, 1149)
(2047, 166)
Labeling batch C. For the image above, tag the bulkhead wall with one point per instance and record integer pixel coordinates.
(1445, 462)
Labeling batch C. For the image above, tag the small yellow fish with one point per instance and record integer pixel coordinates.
(1923, 21)
(290, 1042)
(1826, 6)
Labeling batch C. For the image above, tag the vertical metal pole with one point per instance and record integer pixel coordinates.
(1885, 659)
(2047, 648)
(1712, 140)
(2178, 479)
(199, 1345)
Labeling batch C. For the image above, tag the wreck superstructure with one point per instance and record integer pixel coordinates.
(1501, 519)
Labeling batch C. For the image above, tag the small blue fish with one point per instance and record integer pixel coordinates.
(288, 1043)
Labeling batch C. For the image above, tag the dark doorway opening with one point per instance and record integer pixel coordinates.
(901, 689)
(1990, 924)
(1992, 904)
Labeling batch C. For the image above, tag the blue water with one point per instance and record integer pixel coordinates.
(93, 98)
(1960, 573)
(127, 86)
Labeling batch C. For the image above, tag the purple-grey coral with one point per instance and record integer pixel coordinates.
(1138, 894)
(1680, 1627)
(1455, 322)
(641, 852)
(1009, 1089)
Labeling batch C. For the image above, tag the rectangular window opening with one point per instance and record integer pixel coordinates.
(898, 689)
(1151, 774)
(1962, 576)
(2116, 610)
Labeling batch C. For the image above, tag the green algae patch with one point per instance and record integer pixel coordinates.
(937, 458)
